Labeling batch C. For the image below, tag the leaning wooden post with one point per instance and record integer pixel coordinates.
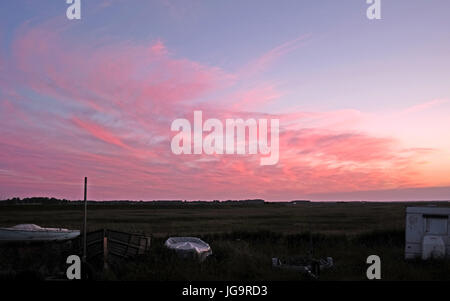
(85, 220)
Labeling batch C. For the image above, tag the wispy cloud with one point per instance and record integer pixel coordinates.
(424, 106)
(265, 60)
(75, 109)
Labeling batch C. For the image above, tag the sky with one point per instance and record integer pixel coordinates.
(363, 104)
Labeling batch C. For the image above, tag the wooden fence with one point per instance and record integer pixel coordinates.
(111, 244)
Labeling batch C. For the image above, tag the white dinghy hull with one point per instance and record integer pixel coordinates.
(34, 233)
(188, 246)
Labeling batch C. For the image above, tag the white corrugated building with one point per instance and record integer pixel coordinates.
(427, 232)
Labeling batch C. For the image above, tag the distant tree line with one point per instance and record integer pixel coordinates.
(55, 201)
(34, 200)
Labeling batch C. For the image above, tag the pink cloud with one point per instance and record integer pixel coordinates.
(99, 132)
(105, 111)
(254, 98)
(424, 106)
(105, 71)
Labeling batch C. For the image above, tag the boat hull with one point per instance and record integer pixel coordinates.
(7, 235)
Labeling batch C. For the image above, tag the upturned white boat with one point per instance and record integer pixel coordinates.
(31, 232)
(187, 246)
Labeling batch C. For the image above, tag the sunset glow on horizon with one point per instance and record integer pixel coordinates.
(364, 106)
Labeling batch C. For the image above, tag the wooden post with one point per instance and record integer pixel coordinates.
(85, 220)
(105, 251)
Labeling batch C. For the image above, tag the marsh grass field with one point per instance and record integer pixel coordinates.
(243, 238)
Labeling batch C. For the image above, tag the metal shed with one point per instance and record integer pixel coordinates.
(427, 232)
